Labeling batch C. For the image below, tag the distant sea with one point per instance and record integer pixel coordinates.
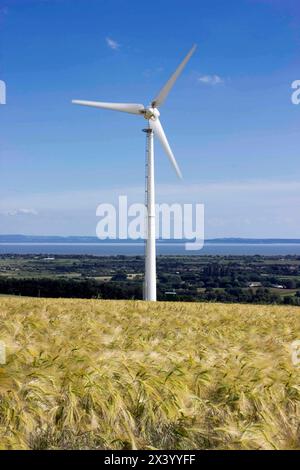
(113, 249)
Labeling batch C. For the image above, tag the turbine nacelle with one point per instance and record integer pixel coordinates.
(151, 113)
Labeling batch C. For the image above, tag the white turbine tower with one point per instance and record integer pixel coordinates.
(151, 114)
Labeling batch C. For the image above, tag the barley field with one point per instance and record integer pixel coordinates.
(92, 374)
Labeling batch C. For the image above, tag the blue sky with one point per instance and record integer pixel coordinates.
(229, 119)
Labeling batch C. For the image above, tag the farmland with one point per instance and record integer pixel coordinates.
(102, 374)
(243, 279)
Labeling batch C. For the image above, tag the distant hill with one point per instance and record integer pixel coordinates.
(82, 239)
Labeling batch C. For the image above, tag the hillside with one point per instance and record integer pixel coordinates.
(124, 374)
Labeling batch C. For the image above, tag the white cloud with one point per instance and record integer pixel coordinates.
(266, 192)
(211, 80)
(16, 212)
(112, 44)
(250, 208)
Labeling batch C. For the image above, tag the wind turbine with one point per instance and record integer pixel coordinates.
(151, 114)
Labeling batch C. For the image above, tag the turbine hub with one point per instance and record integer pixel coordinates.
(151, 113)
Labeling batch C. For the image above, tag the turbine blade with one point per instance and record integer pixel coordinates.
(131, 108)
(160, 98)
(159, 132)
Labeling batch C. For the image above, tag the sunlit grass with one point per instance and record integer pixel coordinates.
(114, 375)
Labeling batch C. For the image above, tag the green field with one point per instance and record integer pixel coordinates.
(226, 279)
(134, 375)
